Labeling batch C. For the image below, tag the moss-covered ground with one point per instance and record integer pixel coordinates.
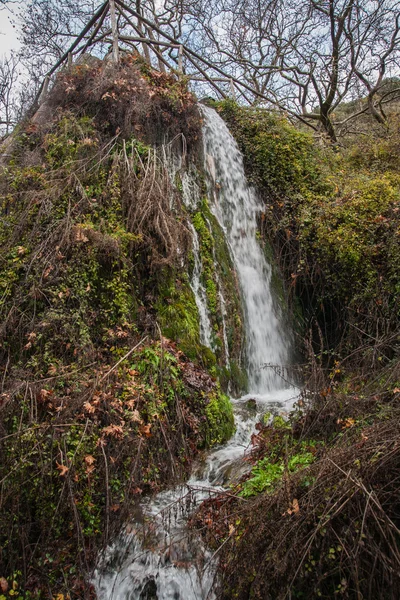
(106, 392)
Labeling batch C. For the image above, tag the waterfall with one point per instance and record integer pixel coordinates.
(167, 562)
(199, 292)
(236, 207)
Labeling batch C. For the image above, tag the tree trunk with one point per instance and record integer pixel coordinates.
(114, 28)
(328, 126)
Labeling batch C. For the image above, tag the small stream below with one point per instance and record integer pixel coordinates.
(157, 557)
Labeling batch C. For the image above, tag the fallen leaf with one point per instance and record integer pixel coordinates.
(80, 235)
(145, 430)
(293, 509)
(114, 431)
(89, 408)
(44, 394)
(47, 272)
(3, 584)
(63, 469)
(135, 416)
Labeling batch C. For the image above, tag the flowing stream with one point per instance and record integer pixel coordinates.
(164, 560)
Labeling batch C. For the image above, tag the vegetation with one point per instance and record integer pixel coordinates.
(97, 406)
(107, 392)
(219, 278)
(317, 516)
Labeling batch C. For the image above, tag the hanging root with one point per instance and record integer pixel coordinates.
(153, 207)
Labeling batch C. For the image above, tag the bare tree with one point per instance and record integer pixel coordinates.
(304, 58)
(9, 72)
(374, 37)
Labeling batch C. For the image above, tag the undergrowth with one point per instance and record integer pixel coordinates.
(97, 406)
(317, 515)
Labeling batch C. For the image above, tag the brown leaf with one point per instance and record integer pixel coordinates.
(89, 459)
(3, 584)
(80, 236)
(63, 469)
(135, 416)
(52, 370)
(44, 394)
(89, 408)
(47, 272)
(145, 430)
(293, 509)
(114, 431)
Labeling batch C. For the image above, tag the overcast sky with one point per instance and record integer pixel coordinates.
(8, 35)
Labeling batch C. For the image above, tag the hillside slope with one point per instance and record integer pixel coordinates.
(106, 390)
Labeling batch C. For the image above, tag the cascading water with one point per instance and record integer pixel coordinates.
(200, 293)
(236, 207)
(165, 561)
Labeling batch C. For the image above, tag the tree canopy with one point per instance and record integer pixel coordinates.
(305, 59)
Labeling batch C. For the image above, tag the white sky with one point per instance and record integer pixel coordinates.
(8, 35)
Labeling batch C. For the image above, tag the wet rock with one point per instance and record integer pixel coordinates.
(149, 592)
(251, 406)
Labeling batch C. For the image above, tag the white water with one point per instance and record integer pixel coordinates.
(163, 560)
(236, 207)
(191, 198)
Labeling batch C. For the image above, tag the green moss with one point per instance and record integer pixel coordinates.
(221, 425)
(208, 275)
(218, 275)
(332, 219)
(233, 377)
(179, 318)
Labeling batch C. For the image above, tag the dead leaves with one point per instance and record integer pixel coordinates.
(63, 469)
(89, 408)
(346, 423)
(90, 466)
(44, 396)
(79, 235)
(114, 431)
(144, 430)
(293, 509)
(31, 340)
